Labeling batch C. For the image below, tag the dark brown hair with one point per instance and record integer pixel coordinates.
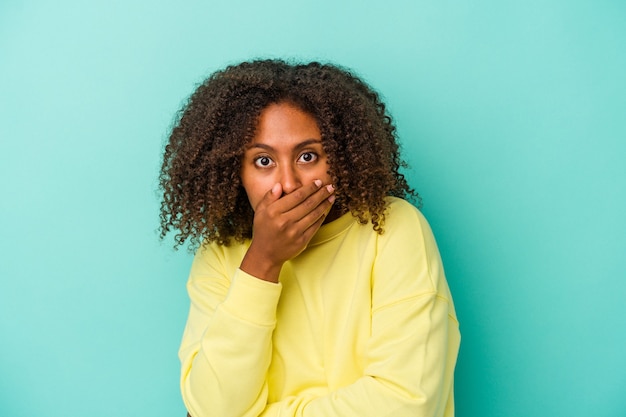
(203, 198)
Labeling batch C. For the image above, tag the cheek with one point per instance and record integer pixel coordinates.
(256, 190)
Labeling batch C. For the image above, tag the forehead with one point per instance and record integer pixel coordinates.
(284, 121)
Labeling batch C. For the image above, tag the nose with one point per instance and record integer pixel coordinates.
(289, 178)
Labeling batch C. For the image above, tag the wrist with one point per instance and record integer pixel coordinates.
(260, 266)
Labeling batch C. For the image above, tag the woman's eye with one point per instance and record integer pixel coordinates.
(263, 161)
(307, 157)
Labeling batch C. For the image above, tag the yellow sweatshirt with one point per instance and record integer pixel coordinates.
(359, 325)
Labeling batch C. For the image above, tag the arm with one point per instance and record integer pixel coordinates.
(414, 339)
(226, 346)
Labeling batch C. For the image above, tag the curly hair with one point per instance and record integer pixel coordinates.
(203, 197)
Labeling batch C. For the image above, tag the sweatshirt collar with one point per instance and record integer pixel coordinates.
(330, 230)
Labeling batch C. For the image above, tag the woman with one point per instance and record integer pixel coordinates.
(317, 290)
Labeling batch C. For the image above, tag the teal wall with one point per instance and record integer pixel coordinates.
(512, 116)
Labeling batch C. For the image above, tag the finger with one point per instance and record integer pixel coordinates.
(318, 213)
(271, 196)
(298, 196)
(315, 226)
(315, 204)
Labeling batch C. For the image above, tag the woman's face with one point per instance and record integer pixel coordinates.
(286, 149)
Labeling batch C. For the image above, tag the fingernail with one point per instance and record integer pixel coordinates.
(331, 199)
(276, 188)
(330, 188)
(318, 183)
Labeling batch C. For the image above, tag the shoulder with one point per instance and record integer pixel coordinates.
(400, 207)
(408, 256)
(403, 218)
(212, 258)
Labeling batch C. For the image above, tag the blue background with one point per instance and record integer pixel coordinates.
(512, 115)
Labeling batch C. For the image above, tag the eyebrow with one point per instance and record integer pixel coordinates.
(300, 145)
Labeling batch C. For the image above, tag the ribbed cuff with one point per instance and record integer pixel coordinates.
(253, 299)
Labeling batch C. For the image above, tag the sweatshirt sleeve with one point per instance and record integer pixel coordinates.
(227, 336)
(414, 341)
